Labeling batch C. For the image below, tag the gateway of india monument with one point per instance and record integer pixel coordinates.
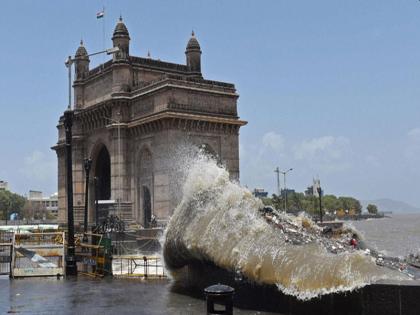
(129, 114)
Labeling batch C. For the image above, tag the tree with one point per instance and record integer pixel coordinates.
(310, 204)
(330, 203)
(277, 202)
(10, 202)
(349, 203)
(340, 213)
(372, 209)
(4, 203)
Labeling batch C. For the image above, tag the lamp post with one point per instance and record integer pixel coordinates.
(87, 165)
(95, 181)
(278, 180)
(319, 190)
(71, 266)
(285, 188)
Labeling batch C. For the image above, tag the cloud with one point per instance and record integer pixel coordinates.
(327, 147)
(414, 134)
(38, 168)
(326, 153)
(372, 160)
(273, 141)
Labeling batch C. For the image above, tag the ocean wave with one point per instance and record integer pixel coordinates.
(218, 220)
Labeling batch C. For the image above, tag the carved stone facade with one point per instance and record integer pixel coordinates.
(129, 113)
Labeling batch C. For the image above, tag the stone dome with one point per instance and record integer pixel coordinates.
(81, 51)
(120, 29)
(193, 43)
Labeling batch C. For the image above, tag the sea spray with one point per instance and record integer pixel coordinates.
(218, 221)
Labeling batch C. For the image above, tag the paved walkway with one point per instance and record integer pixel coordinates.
(90, 296)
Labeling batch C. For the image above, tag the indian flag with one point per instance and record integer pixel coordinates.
(100, 15)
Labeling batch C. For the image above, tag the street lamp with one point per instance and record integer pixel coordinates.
(319, 190)
(69, 62)
(87, 165)
(285, 188)
(95, 182)
(278, 180)
(71, 267)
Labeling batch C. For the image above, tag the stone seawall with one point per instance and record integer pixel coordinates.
(382, 298)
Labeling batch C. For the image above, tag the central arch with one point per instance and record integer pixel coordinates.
(145, 186)
(100, 179)
(103, 174)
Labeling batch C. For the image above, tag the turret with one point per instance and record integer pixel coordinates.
(122, 72)
(81, 62)
(81, 68)
(121, 39)
(193, 55)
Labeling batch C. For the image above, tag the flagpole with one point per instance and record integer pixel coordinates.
(103, 36)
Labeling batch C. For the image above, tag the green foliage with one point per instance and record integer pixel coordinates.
(297, 202)
(10, 202)
(331, 203)
(372, 209)
(350, 204)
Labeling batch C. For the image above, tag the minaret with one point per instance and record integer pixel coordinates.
(81, 62)
(121, 73)
(193, 54)
(81, 68)
(121, 39)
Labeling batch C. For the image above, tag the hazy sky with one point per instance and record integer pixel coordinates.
(330, 88)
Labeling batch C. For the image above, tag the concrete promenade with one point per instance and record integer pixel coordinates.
(91, 296)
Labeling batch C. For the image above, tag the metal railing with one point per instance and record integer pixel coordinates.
(147, 267)
(6, 247)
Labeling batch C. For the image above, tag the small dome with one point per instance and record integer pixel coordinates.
(193, 43)
(81, 51)
(120, 28)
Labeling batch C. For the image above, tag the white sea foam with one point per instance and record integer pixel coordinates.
(218, 220)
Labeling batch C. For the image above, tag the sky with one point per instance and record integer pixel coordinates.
(329, 88)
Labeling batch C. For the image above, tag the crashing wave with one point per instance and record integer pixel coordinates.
(219, 221)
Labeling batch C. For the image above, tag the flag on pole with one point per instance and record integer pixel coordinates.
(100, 14)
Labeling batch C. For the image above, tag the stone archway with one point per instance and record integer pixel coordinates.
(103, 174)
(144, 186)
(100, 179)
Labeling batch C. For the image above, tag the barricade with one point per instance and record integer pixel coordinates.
(6, 247)
(38, 254)
(94, 255)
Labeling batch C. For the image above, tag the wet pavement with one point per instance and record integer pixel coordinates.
(97, 296)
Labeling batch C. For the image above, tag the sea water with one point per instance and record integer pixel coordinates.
(217, 220)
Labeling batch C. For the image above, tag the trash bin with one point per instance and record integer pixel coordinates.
(219, 294)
